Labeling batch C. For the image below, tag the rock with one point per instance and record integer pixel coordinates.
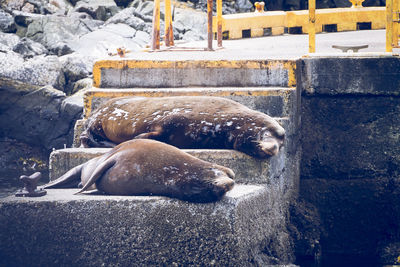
(191, 23)
(130, 17)
(8, 39)
(24, 18)
(39, 116)
(99, 9)
(144, 8)
(29, 8)
(82, 85)
(12, 4)
(76, 67)
(39, 70)
(28, 48)
(107, 39)
(123, 3)
(7, 23)
(243, 6)
(18, 158)
(56, 33)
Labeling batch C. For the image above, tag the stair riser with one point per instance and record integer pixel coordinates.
(246, 168)
(276, 102)
(154, 74)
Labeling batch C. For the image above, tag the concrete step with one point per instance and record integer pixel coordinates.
(128, 73)
(274, 101)
(247, 169)
(98, 230)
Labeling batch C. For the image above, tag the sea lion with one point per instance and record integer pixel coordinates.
(188, 122)
(149, 167)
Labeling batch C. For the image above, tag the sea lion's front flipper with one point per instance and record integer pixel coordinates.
(70, 179)
(150, 135)
(97, 173)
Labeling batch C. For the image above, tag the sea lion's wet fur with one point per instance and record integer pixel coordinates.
(148, 167)
(184, 122)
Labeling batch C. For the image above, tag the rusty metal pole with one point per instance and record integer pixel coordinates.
(169, 33)
(219, 23)
(209, 26)
(311, 26)
(155, 38)
(389, 25)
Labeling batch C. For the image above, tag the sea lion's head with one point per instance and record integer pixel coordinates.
(210, 184)
(263, 141)
(269, 142)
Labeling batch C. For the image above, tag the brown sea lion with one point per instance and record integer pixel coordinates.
(194, 122)
(149, 167)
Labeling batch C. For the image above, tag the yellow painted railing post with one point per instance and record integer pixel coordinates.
(395, 7)
(209, 24)
(169, 33)
(389, 25)
(219, 23)
(311, 26)
(155, 38)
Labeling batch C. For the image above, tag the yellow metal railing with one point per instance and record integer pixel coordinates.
(311, 26)
(392, 24)
(257, 24)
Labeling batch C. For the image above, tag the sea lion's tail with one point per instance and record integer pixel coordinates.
(97, 173)
(70, 179)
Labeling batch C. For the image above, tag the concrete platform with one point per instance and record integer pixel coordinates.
(62, 229)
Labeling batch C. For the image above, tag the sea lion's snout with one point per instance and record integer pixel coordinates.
(270, 147)
(224, 182)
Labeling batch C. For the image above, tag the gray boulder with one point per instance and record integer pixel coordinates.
(81, 86)
(7, 23)
(39, 70)
(8, 39)
(191, 24)
(29, 48)
(76, 67)
(107, 39)
(132, 18)
(243, 5)
(40, 116)
(57, 32)
(97, 9)
(144, 8)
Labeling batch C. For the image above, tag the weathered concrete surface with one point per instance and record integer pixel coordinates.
(351, 136)
(136, 73)
(363, 75)
(350, 166)
(97, 230)
(358, 216)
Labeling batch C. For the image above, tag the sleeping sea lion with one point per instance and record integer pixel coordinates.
(188, 122)
(149, 167)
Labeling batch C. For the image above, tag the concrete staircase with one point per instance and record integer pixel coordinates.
(247, 227)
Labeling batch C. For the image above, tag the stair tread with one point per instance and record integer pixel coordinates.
(67, 194)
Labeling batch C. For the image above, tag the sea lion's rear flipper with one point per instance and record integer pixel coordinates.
(70, 179)
(97, 173)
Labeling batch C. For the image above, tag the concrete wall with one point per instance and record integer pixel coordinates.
(350, 167)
